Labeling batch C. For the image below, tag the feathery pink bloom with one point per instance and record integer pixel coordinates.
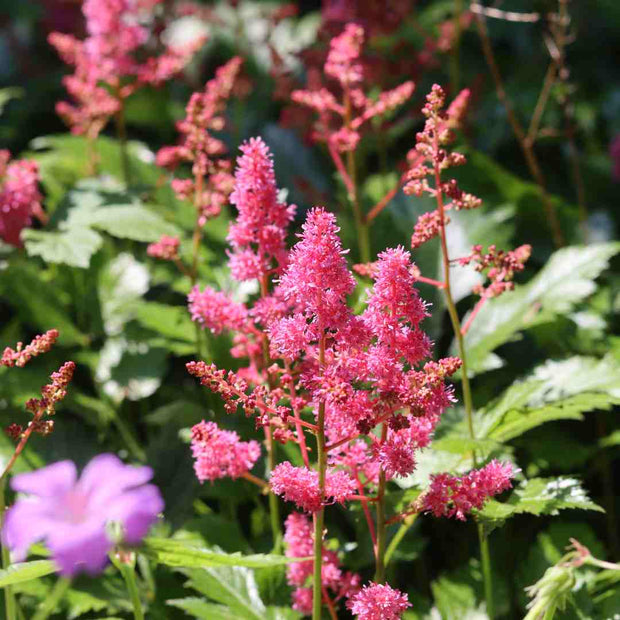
(216, 311)
(258, 236)
(22, 355)
(343, 59)
(395, 309)
(221, 454)
(19, 197)
(317, 279)
(301, 486)
(167, 248)
(379, 601)
(457, 496)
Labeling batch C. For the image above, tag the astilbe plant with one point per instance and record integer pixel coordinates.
(20, 199)
(118, 56)
(361, 384)
(344, 111)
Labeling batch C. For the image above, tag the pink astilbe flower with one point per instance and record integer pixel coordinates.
(301, 486)
(113, 53)
(167, 248)
(216, 311)
(221, 454)
(298, 538)
(316, 282)
(500, 267)
(20, 198)
(395, 309)
(258, 237)
(21, 355)
(342, 61)
(212, 182)
(457, 496)
(379, 601)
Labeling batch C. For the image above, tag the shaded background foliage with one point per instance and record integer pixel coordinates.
(122, 317)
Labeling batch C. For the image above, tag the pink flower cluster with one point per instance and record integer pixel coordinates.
(221, 454)
(500, 267)
(216, 311)
(341, 117)
(20, 198)
(258, 237)
(21, 355)
(379, 601)
(118, 32)
(298, 538)
(457, 496)
(212, 182)
(167, 248)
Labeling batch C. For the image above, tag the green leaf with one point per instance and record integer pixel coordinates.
(25, 571)
(198, 608)
(170, 321)
(134, 222)
(539, 496)
(73, 247)
(566, 279)
(233, 586)
(184, 554)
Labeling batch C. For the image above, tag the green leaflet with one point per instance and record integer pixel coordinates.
(25, 571)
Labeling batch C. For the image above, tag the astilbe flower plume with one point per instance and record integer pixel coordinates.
(258, 236)
(20, 198)
(112, 54)
(72, 515)
(216, 311)
(344, 110)
(298, 538)
(379, 601)
(221, 454)
(198, 146)
(21, 355)
(167, 248)
(457, 496)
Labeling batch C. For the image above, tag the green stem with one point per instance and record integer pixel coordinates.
(319, 516)
(121, 132)
(363, 238)
(398, 537)
(9, 596)
(130, 441)
(129, 575)
(485, 556)
(50, 603)
(486, 570)
(274, 508)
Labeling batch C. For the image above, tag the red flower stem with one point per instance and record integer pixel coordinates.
(430, 281)
(329, 603)
(22, 444)
(372, 214)
(257, 481)
(197, 236)
(335, 155)
(274, 509)
(473, 314)
(319, 516)
(301, 438)
(371, 525)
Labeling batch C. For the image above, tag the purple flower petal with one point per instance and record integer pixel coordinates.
(48, 481)
(80, 548)
(137, 511)
(26, 522)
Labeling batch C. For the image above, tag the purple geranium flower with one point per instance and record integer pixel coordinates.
(72, 514)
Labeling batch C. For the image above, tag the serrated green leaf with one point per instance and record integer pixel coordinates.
(566, 279)
(131, 222)
(170, 321)
(25, 571)
(539, 496)
(183, 554)
(73, 247)
(199, 608)
(232, 586)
